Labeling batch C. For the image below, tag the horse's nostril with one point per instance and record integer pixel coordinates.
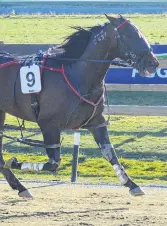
(154, 63)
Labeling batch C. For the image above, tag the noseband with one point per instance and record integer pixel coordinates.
(133, 60)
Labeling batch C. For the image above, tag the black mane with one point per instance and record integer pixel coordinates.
(75, 44)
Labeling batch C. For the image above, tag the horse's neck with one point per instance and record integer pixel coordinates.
(93, 73)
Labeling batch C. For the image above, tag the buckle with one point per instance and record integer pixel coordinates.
(35, 104)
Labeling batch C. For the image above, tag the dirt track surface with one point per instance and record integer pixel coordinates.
(74, 205)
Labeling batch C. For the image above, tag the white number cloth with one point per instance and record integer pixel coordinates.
(30, 79)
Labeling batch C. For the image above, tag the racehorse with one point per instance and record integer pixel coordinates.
(72, 94)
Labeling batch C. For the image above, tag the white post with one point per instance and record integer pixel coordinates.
(75, 156)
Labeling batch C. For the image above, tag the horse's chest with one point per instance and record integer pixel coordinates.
(80, 113)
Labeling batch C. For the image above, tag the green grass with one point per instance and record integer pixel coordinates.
(54, 28)
(137, 98)
(141, 142)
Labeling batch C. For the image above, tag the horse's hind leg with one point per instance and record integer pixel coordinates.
(10, 177)
(102, 139)
(51, 135)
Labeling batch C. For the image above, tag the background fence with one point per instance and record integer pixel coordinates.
(122, 79)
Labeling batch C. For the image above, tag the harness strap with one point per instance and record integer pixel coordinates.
(34, 96)
(9, 63)
(94, 110)
(95, 105)
(35, 105)
(124, 22)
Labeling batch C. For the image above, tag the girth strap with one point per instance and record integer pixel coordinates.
(35, 105)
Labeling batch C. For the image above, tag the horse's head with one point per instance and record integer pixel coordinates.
(133, 46)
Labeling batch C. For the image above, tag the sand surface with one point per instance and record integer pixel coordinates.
(76, 205)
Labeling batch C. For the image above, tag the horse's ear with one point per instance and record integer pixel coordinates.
(121, 17)
(112, 20)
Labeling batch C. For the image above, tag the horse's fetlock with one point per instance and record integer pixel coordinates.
(130, 184)
(50, 166)
(121, 174)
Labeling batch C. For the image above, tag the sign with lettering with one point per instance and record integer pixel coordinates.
(131, 76)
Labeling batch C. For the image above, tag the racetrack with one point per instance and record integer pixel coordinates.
(76, 205)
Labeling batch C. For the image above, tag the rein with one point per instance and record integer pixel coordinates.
(119, 63)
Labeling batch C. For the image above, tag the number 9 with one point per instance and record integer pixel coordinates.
(30, 77)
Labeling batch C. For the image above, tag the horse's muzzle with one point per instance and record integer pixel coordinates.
(150, 65)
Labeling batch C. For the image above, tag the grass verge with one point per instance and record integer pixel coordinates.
(140, 142)
(54, 28)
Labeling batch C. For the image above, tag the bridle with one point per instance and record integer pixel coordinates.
(133, 59)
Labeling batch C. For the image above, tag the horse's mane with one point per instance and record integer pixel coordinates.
(75, 44)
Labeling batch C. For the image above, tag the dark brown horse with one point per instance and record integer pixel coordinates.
(72, 92)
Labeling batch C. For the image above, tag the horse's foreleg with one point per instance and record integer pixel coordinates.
(102, 139)
(9, 176)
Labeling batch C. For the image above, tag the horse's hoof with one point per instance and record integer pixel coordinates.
(137, 191)
(25, 194)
